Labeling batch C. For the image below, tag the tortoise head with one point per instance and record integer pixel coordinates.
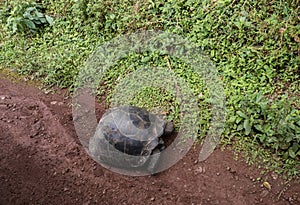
(149, 147)
(169, 128)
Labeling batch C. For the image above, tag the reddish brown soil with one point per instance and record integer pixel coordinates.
(42, 162)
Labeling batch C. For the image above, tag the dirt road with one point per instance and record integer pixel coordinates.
(42, 162)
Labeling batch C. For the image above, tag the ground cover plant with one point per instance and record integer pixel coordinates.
(255, 46)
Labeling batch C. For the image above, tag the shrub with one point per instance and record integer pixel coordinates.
(26, 17)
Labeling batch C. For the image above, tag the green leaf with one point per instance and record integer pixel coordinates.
(49, 19)
(39, 14)
(292, 153)
(28, 16)
(258, 97)
(262, 138)
(247, 127)
(43, 20)
(241, 114)
(15, 27)
(30, 24)
(30, 9)
(259, 128)
(240, 127)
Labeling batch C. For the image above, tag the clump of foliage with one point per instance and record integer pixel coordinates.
(25, 16)
(274, 123)
(255, 46)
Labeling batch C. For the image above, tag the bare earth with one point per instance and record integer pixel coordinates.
(42, 162)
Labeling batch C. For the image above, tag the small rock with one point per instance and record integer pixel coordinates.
(218, 174)
(290, 199)
(47, 91)
(66, 189)
(53, 102)
(152, 199)
(3, 97)
(274, 176)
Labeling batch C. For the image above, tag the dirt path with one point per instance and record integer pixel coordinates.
(42, 162)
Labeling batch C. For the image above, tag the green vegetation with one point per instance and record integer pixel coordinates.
(27, 17)
(255, 46)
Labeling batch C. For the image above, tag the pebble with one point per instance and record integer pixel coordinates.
(3, 97)
(53, 102)
(152, 199)
(274, 176)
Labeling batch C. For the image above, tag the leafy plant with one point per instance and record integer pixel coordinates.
(275, 124)
(27, 17)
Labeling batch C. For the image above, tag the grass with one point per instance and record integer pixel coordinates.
(255, 46)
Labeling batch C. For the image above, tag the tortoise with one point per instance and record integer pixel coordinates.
(130, 137)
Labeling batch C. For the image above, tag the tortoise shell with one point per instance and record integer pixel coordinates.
(127, 135)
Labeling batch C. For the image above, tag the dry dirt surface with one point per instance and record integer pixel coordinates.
(43, 162)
